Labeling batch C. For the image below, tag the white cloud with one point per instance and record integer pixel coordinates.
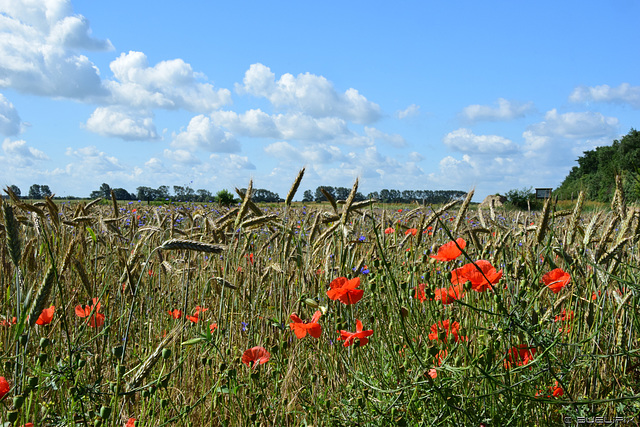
(91, 161)
(154, 164)
(183, 157)
(239, 162)
(308, 93)
(38, 50)
(466, 141)
(576, 125)
(411, 111)
(111, 121)
(9, 118)
(292, 126)
(169, 85)
(625, 94)
(18, 153)
(203, 134)
(393, 139)
(315, 154)
(506, 110)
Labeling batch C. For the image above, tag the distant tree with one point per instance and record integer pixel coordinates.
(122, 194)
(342, 193)
(224, 198)
(35, 192)
(204, 195)
(45, 191)
(359, 197)
(521, 199)
(105, 190)
(262, 195)
(146, 193)
(373, 195)
(319, 197)
(15, 190)
(163, 192)
(307, 196)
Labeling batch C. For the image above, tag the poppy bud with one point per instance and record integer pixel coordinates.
(467, 285)
(146, 394)
(18, 401)
(23, 339)
(404, 312)
(32, 382)
(105, 412)
(44, 342)
(117, 352)
(42, 357)
(12, 416)
(222, 367)
(166, 353)
(164, 403)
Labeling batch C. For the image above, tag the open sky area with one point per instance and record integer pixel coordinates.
(404, 95)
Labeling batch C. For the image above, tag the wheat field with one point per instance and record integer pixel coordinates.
(192, 314)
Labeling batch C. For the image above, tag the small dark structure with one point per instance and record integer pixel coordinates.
(543, 193)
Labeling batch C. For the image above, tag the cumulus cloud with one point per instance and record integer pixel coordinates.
(411, 111)
(203, 134)
(169, 84)
(623, 94)
(9, 118)
(392, 139)
(316, 154)
(90, 161)
(292, 126)
(18, 153)
(504, 111)
(234, 162)
(39, 50)
(466, 141)
(576, 125)
(311, 94)
(183, 157)
(112, 121)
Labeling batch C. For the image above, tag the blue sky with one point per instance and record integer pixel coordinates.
(403, 95)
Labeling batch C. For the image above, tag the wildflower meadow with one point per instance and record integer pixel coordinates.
(340, 313)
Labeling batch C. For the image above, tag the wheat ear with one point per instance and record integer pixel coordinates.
(42, 297)
(294, 188)
(174, 244)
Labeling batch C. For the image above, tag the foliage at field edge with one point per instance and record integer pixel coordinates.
(344, 314)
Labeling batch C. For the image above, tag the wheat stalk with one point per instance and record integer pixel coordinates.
(462, 212)
(294, 188)
(175, 244)
(12, 237)
(42, 297)
(573, 222)
(245, 205)
(257, 221)
(149, 363)
(544, 222)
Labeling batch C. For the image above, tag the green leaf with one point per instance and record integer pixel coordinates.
(93, 234)
(193, 341)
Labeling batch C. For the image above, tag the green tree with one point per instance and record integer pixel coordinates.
(521, 199)
(224, 198)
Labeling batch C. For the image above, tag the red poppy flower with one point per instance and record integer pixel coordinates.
(519, 356)
(213, 327)
(442, 354)
(130, 423)
(449, 295)
(479, 283)
(97, 319)
(433, 373)
(350, 337)
(46, 316)
(557, 390)
(449, 251)
(176, 314)
(420, 295)
(412, 231)
(564, 316)
(447, 327)
(4, 387)
(255, 356)
(345, 290)
(9, 322)
(389, 230)
(556, 280)
(301, 328)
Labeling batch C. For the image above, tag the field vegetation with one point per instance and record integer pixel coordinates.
(343, 313)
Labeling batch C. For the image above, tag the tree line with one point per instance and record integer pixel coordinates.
(188, 194)
(597, 170)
